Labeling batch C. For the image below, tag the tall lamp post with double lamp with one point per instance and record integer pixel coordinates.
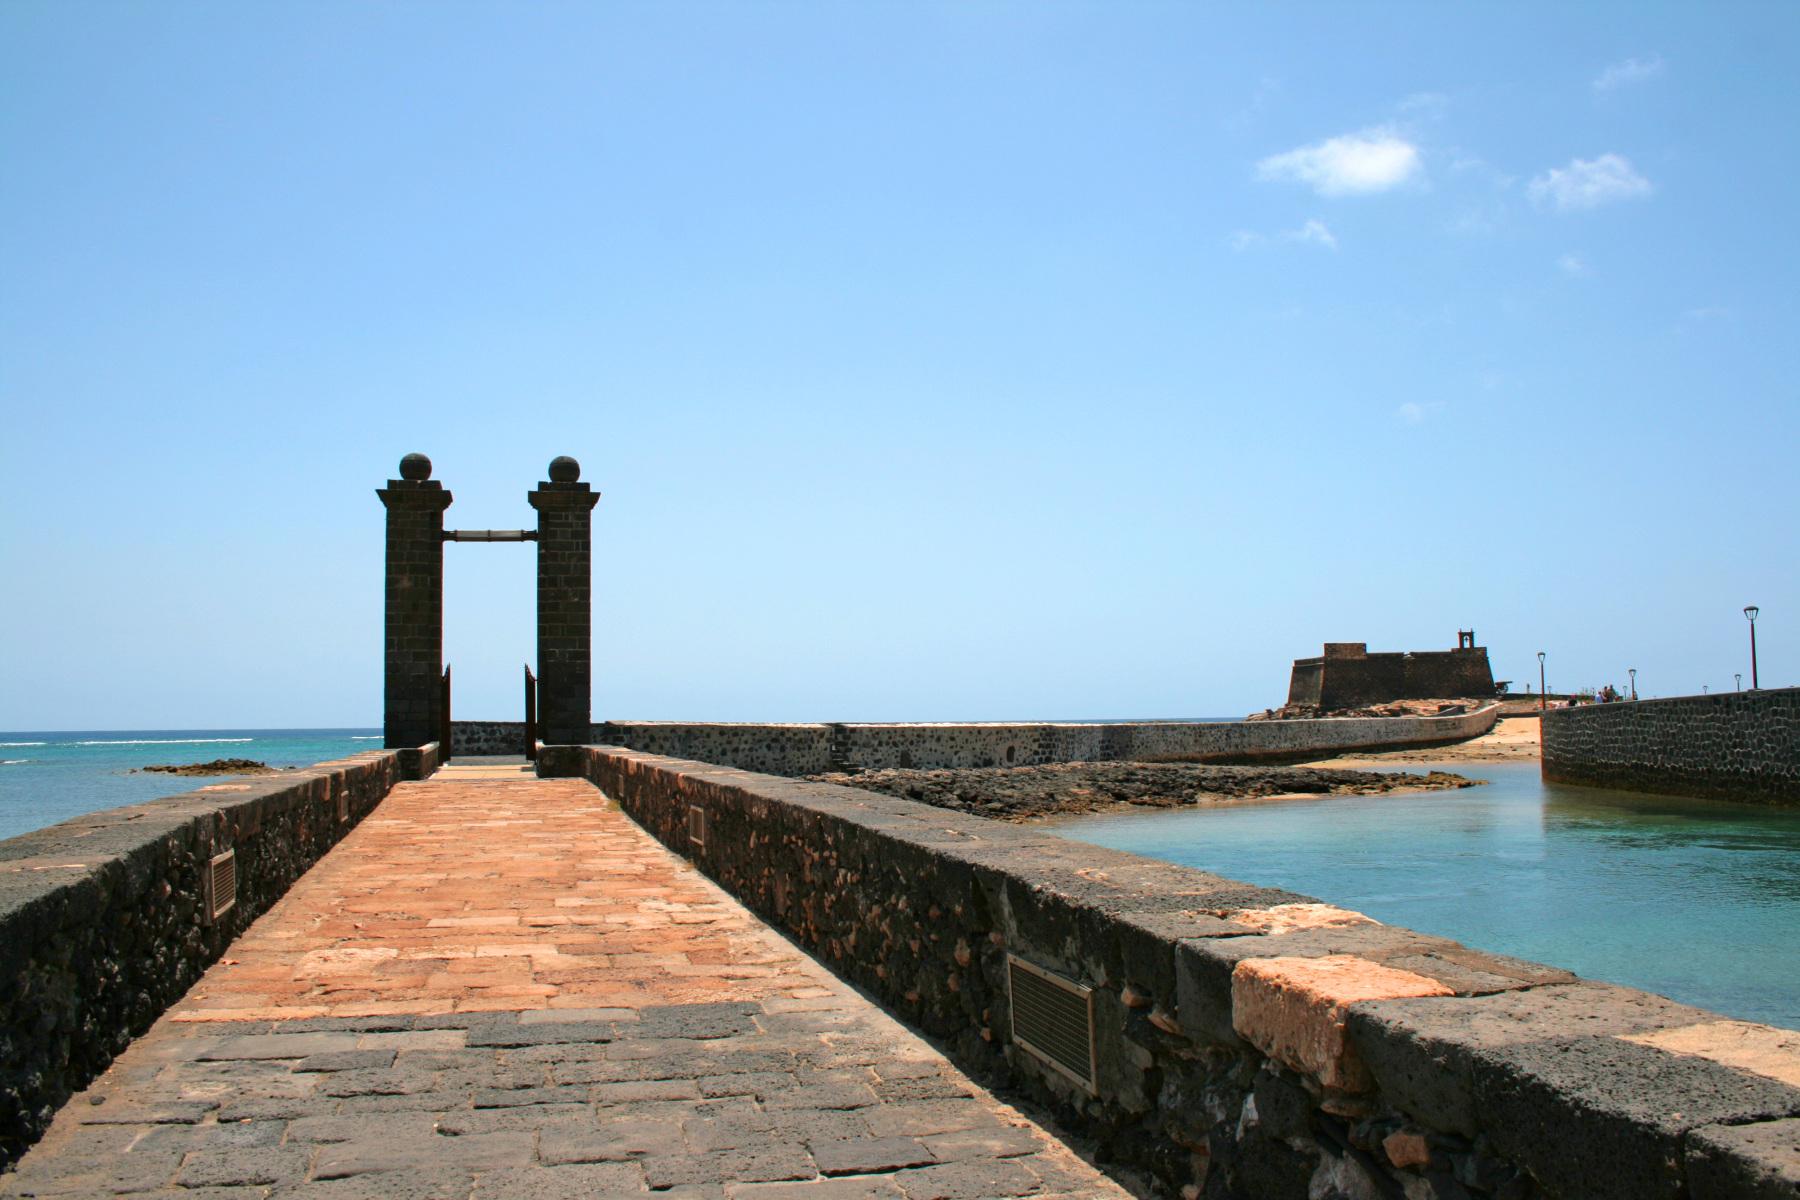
(1633, 673)
(1751, 611)
(1541, 697)
(1739, 676)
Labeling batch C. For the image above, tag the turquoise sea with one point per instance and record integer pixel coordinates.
(50, 777)
(1694, 899)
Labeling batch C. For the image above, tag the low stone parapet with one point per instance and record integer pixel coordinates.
(1732, 746)
(813, 749)
(1225, 1039)
(107, 919)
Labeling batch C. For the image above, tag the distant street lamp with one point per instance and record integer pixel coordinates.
(1739, 676)
(1751, 611)
(1633, 671)
(1541, 688)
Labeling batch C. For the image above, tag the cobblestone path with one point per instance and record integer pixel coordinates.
(498, 986)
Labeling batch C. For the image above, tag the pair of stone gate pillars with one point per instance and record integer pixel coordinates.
(413, 693)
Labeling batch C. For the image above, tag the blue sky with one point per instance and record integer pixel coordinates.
(935, 362)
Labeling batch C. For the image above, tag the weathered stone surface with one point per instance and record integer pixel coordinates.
(811, 749)
(1421, 1053)
(102, 923)
(694, 1050)
(1760, 1161)
(922, 906)
(1294, 1010)
(1734, 745)
(1599, 1117)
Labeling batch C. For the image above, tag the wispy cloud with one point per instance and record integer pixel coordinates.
(1314, 232)
(1588, 183)
(1430, 106)
(1412, 413)
(1373, 160)
(1631, 71)
(1574, 266)
(1245, 118)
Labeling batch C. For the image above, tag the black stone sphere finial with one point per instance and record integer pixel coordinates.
(415, 467)
(564, 469)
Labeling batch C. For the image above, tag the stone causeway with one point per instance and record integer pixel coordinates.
(499, 986)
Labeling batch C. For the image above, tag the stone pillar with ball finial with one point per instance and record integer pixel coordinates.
(565, 508)
(412, 690)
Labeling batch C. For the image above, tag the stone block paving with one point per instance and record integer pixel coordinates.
(498, 986)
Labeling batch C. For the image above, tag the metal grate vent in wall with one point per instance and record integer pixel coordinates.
(697, 826)
(221, 884)
(1053, 1018)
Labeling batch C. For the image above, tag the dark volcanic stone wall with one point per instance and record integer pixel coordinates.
(815, 749)
(1347, 676)
(1499, 1078)
(102, 920)
(564, 607)
(486, 737)
(1733, 746)
(413, 653)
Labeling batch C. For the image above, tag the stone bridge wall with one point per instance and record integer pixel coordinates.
(1248, 1042)
(810, 749)
(103, 922)
(487, 737)
(1733, 746)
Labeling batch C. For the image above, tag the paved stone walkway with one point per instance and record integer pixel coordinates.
(498, 986)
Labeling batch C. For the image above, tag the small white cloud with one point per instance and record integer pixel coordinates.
(1371, 161)
(1574, 265)
(1632, 70)
(1711, 312)
(1588, 183)
(1412, 413)
(1314, 232)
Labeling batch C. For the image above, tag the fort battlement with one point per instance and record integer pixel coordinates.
(1346, 675)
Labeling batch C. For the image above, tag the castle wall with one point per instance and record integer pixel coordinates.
(1347, 676)
(1733, 746)
(810, 749)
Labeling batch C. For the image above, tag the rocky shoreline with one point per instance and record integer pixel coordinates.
(218, 766)
(1073, 789)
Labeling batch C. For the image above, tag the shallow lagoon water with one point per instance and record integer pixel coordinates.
(1697, 900)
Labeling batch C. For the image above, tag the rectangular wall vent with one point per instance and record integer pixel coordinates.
(343, 799)
(1053, 1018)
(697, 826)
(221, 884)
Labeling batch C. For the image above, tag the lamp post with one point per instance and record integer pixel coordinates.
(1633, 673)
(1541, 689)
(1739, 676)
(1750, 611)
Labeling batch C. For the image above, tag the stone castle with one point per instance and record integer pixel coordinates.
(1346, 675)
